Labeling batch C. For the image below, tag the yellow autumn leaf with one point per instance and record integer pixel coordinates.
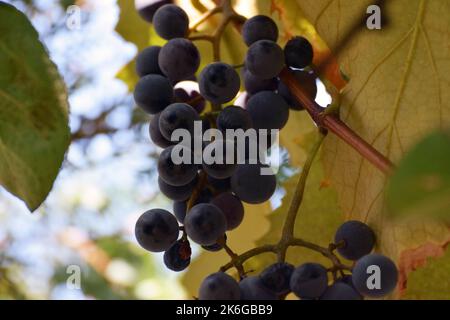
(399, 91)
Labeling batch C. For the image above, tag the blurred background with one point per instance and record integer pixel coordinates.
(107, 180)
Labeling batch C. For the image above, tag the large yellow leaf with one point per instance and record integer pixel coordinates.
(398, 93)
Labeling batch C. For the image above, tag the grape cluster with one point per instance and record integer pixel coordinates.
(209, 196)
(310, 281)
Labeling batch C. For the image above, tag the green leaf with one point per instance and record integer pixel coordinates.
(421, 184)
(34, 132)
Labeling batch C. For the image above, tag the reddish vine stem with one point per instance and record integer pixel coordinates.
(332, 123)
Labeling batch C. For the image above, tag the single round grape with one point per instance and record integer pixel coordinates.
(176, 174)
(358, 239)
(219, 159)
(179, 59)
(347, 279)
(277, 277)
(232, 208)
(153, 93)
(265, 59)
(298, 53)
(219, 286)
(220, 185)
(178, 257)
(371, 268)
(253, 289)
(180, 193)
(254, 84)
(268, 110)
(215, 247)
(309, 281)
(234, 118)
(155, 133)
(170, 22)
(204, 224)
(340, 291)
(177, 116)
(251, 186)
(147, 8)
(156, 230)
(147, 62)
(259, 28)
(179, 210)
(189, 92)
(308, 82)
(219, 83)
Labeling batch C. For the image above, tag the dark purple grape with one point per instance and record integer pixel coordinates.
(215, 247)
(309, 281)
(219, 286)
(251, 186)
(156, 230)
(358, 239)
(234, 118)
(179, 59)
(155, 133)
(177, 116)
(205, 224)
(219, 159)
(170, 22)
(219, 83)
(340, 291)
(307, 81)
(147, 8)
(268, 110)
(254, 84)
(178, 257)
(375, 276)
(347, 279)
(265, 59)
(180, 193)
(259, 28)
(253, 289)
(298, 53)
(147, 62)
(153, 93)
(176, 174)
(277, 277)
(232, 208)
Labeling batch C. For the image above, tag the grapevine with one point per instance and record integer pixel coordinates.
(208, 196)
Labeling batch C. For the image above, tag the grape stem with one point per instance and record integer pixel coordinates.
(287, 239)
(331, 122)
